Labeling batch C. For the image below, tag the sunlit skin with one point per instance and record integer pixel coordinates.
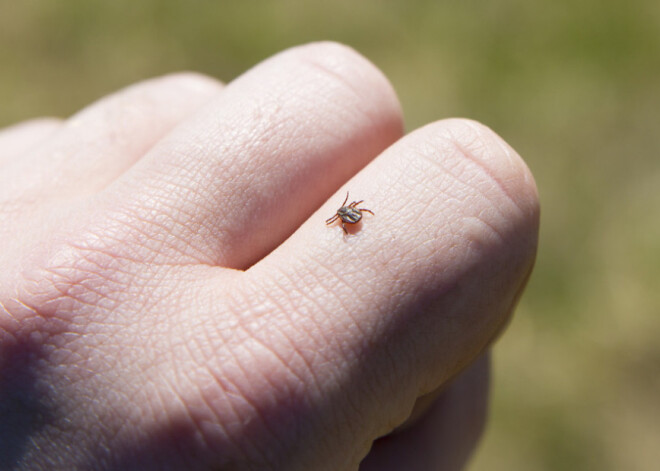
(170, 297)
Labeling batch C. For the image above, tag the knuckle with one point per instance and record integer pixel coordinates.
(72, 278)
(69, 274)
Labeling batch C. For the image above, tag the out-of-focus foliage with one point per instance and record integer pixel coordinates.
(573, 86)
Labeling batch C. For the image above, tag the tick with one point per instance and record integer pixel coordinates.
(348, 214)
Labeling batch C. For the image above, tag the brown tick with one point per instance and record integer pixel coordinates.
(350, 214)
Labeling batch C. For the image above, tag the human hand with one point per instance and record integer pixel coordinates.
(171, 297)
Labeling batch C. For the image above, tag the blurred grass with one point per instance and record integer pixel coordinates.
(573, 86)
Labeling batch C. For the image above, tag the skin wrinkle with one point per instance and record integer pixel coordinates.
(373, 389)
(326, 361)
(446, 171)
(161, 201)
(62, 353)
(428, 211)
(272, 429)
(512, 157)
(122, 235)
(342, 279)
(53, 219)
(292, 369)
(189, 416)
(354, 294)
(246, 448)
(155, 203)
(417, 298)
(176, 296)
(149, 297)
(363, 335)
(124, 444)
(485, 220)
(471, 155)
(317, 367)
(222, 382)
(76, 290)
(291, 343)
(6, 319)
(113, 435)
(104, 454)
(288, 365)
(303, 314)
(212, 409)
(158, 242)
(257, 411)
(335, 275)
(54, 307)
(346, 353)
(21, 319)
(237, 145)
(40, 316)
(360, 350)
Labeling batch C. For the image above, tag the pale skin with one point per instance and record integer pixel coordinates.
(171, 297)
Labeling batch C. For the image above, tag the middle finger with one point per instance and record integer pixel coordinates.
(235, 180)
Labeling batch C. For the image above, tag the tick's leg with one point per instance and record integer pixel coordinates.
(332, 219)
(367, 210)
(355, 203)
(342, 205)
(343, 226)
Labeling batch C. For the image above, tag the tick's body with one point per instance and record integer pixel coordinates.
(348, 214)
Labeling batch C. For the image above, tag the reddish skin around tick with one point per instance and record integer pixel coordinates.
(350, 214)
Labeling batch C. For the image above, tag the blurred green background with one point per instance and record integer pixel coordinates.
(573, 86)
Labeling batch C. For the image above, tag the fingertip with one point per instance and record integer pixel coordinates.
(377, 97)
